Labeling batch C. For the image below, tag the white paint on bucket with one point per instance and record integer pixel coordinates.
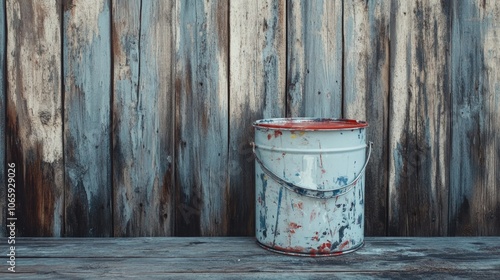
(310, 185)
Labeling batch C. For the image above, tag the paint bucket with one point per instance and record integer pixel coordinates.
(309, 185)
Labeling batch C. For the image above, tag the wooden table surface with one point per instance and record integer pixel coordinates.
(242, 258)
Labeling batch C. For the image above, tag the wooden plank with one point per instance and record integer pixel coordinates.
(201, 90)
(242, 257)
(419, 136)
(431, 274)
(314, 58)
(34, 118)
(366, 96)
(257, 90)
(475, 156)
(228, 247)
(3, 94)
(87, 126)
(142, 117)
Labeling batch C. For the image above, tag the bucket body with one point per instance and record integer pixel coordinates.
(309, 177)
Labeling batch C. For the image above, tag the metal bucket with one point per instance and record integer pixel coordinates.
(310, 185)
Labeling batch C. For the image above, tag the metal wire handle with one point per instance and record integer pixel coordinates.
(308, 192)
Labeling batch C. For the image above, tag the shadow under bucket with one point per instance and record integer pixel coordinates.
(309, 184)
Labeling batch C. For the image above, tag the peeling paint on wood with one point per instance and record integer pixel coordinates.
(475, 157)
(257, 90)
(3, 94)
(87, 160)
(142, 120)
(34, 119)
(201, 127)
(366, 96)
(419, 125)
(314, 62)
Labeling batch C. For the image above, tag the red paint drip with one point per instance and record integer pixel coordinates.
(269, 136)
(312, 216)
(344, 244)
(316, 237)
(300, 205)
(325, 247)
(277, 133)
(293, 226)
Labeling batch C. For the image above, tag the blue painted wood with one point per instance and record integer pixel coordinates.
(257, 90)
(34, 115)
(3, 93)
(475, 157)
(419, 124)
(201, 117)
(314, 58)
(366, 96)
(143, 43)
(87, 90)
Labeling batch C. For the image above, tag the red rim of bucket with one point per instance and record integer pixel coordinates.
(310, 124)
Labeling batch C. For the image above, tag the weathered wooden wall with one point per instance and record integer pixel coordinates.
(133, 118)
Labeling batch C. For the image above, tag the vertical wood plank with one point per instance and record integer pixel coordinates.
(201, 90)
(475, 156)
(87, 90)
(34, 118)
(366, 96)
(257, 90)
(314, 58)
(419, 118)
(3, 178)
(142, 121)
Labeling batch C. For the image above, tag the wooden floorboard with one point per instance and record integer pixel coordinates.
(242, 258)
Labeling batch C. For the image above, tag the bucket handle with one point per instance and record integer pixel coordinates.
(308, 192)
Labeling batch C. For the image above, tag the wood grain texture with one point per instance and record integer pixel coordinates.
(408, 258)
(475, 157)
(419, 119)
(3, 94)
(201, 124)
(142, 118)
(257, 90)
(314, 58)
(366, 96)
(87, 126)
(34, 117)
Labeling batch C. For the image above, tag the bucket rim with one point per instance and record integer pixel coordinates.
(310, 124)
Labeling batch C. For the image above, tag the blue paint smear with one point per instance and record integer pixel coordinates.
(264, 183)
(361, 201)
(277, 215)
(342, 180)
(262, 218)
(263, 224)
